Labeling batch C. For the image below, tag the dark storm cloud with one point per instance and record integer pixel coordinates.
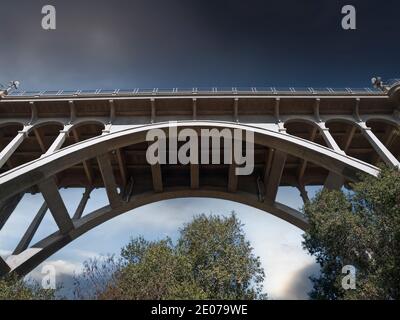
(169, 43)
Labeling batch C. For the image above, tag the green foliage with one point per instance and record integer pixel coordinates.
(221, 259)
(211, 260)
(360, 229)
(12, 288)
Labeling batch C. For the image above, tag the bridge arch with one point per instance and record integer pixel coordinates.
(19, 124)
(26, 261)
(312, 132)
(44, 123)
(41, 174)
(85, 122)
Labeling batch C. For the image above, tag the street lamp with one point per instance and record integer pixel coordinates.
(6, 90)
(390, 87)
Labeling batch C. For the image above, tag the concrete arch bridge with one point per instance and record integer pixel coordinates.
(97, 139)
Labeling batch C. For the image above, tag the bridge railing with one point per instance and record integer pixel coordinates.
(202, 90)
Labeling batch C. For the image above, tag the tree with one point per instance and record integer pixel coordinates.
(221, 259)
(210, 260)
(13, 288)
(362, 229)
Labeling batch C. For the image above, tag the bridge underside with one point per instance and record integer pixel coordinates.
(49, 144)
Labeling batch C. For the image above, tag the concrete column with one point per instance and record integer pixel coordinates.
(333, 181)
(232, 178)
(28, 236)
(8, 207)
(4, 267)
(7, 152)
(109, 180)
(379, 147)
(51, 195)
(82, 204)
(303, 193)
(57, 144)
(275, 175)
(330, 141)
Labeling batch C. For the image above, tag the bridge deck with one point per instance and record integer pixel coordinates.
(299, 110)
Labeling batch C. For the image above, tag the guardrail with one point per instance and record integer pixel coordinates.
(200, 91)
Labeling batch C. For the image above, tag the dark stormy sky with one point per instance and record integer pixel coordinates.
(186, 43)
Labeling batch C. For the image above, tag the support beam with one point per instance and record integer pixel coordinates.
(128, 190)
(194, 108)
(51, 195)
(388, 139)
(260, 189)
(122, 166)
(40, 140)
(303, 193)
(153, 110)
(4, 267)
(57, 144)
(86, 164)
(72, 111)
(329, 140)
(30, 232)
(334, 181)
(233, 178)
(8, 207)
(348, 137)
(7, 152)
(34, 112)
(82, 204)
(303, 163)
(275, 175)
(390, 136)
(112, 111)
(379, 147)
(109, 180)
(269, 156)
(157, 177)
(194, 176)
(236, 110)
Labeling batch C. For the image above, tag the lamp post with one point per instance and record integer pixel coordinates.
(391, 87)
(6, 90)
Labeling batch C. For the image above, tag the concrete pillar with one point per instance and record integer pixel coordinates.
(330, 141)
(30, 232)
(379, 147)
(8, 207)
(51, 195)
(303, 193)
(57, 144)
(194, 176)
(109, 180)
(275, 175)
(334, 181)
(4, 267)
(82, 204)
(7, 152)
(232, 178)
